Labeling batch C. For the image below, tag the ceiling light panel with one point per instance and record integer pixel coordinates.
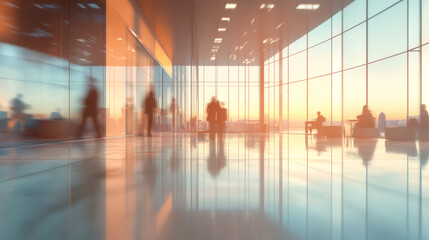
(231, 6)
(308, 6)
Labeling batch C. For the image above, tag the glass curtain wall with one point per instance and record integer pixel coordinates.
(370, 52)
(48, 53)
(235, 87)
(52, 53)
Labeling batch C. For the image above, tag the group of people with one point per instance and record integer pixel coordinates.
(216, 116)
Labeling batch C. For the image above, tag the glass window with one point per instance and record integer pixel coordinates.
(319, 60)
(337, 99)
(414, 23)
(414, 85)
(285, 108)
(425, 21)
(354, 13)
(387, 33)
(298, 45)
(336, 24)
(425, 76)
(337, 54)
(376, 6)
(389, 76)
(319, 98)
(355, 47)
(298, 67)
(297, 106)
(354, 92)
(320, 33)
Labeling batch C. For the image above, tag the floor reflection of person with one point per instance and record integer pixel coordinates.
(149, 108)
(18, 106)
(366, 149)
(216, 161)
(90, 109)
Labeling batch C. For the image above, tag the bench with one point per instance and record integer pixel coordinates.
(400, 133)
(331, 131)
(53, 129)
(365, 132)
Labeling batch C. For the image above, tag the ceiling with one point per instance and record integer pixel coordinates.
(187, 28)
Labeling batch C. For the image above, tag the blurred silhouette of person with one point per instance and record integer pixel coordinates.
(424, 122)
(366, 120)
(149, 108)
(317, 123)
(212, 109)
(173, 114)
(90, 109)
(381, 121)
(221, 118)
(18, 106)
(193, 123)
(128, 112)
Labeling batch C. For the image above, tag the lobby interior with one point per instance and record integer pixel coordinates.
(270, 65)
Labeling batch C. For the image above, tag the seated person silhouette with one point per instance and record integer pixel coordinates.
(365, 120)
(317, 123)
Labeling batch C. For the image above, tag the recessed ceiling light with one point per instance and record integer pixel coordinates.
(221, 29)
(226, 19)
(308, 6)
(270, 5)
(230, 5)
(218, 40)
(93, 5)
(262, 6)
(214, 50)
(212, 58)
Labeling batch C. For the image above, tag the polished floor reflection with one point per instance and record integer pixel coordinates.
(186, 186)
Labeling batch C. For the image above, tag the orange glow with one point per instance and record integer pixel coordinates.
(163, 214)
(126, 11)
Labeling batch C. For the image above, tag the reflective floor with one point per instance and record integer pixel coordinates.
(186, 186)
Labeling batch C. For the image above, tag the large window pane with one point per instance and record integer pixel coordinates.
(297, 106)
(387, 89)
(298, 67)
(337, 100)
(425, 77)
(387, 33)
(354, 13)
(319, 98)
(355, 47)
(354, 92)
(376, 6)
(425, 21)
(319, 60)
(320, 33)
